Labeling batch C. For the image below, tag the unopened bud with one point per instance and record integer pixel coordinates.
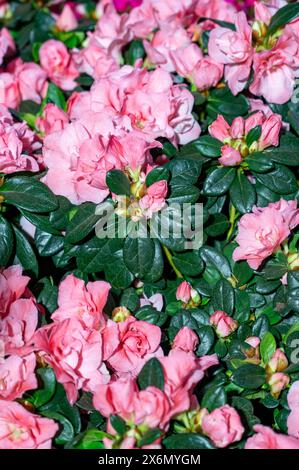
(120, 314)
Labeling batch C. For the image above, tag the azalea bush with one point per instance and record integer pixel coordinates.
(146, 115)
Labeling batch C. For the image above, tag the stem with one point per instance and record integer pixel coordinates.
(170, 260)
(232, 218)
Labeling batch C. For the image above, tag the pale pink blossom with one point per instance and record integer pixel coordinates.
(10, 94)
(58, 63)
(266, 438)
(234, 50)
(20, 429)
(7, 45)
(86, 303)
(53, 119)
(31, 79)
(261, 232)
(223, 426)
(17, 376)
(168, 39)
(75, 353)
(129, 344)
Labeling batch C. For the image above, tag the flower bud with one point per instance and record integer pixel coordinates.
(185, 340)
(120, 314)
(278, 382)
(223, 323)
(278, 362)
(183, 292)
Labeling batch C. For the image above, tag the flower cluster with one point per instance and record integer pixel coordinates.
(149, 248)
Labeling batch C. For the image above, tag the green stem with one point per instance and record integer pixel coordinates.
(232, 218)
(170, 260)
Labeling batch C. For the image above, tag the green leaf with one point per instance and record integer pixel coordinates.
(27, 193)
(117, 272)
(223, 296)
(219, 181)
(43, 395)
(222, 101)
(67, 432)
(249, 376)
(149, 437)
(90, 439)
(25, 253)
(118, 424)
(267, 347)
(6, 241)
(60, 217)
(82, 223)
(156, 271)
(242, 272)
(260, 326)
(242, 193)
(208, 146)
(135, 51)
(130, 299)
(151, 375)
(60, 404)
(282, 180)
(183, 171)
(47, 244)
(151, 315)
(218, 225)
(242, 307)
(48, 295)
(253, 135)
(206, 337)
(187, 441)
(118, 182)
(160, 173)
(183, 194)
(215, 397)
(245, 407)
(139, 255)
(283, 16)
(189, 263)
(55, 95)
(287, 153)
(259, 162)
(214, 258)
(41, 221)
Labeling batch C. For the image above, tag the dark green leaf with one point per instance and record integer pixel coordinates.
(25, 253)
(219, 181)
(139, 255)
(151, 375)
(283, 16)
(249, 376)
(242, 193)
(29, 194)
(187, 441)
(6, 241)
(82, 223)
(118, 182)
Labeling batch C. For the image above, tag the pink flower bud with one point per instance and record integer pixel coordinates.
(229, 156)
(278, 362)
(223, 323)
(223, 426)
(185, 340)
(183, 292)
(278, 382)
